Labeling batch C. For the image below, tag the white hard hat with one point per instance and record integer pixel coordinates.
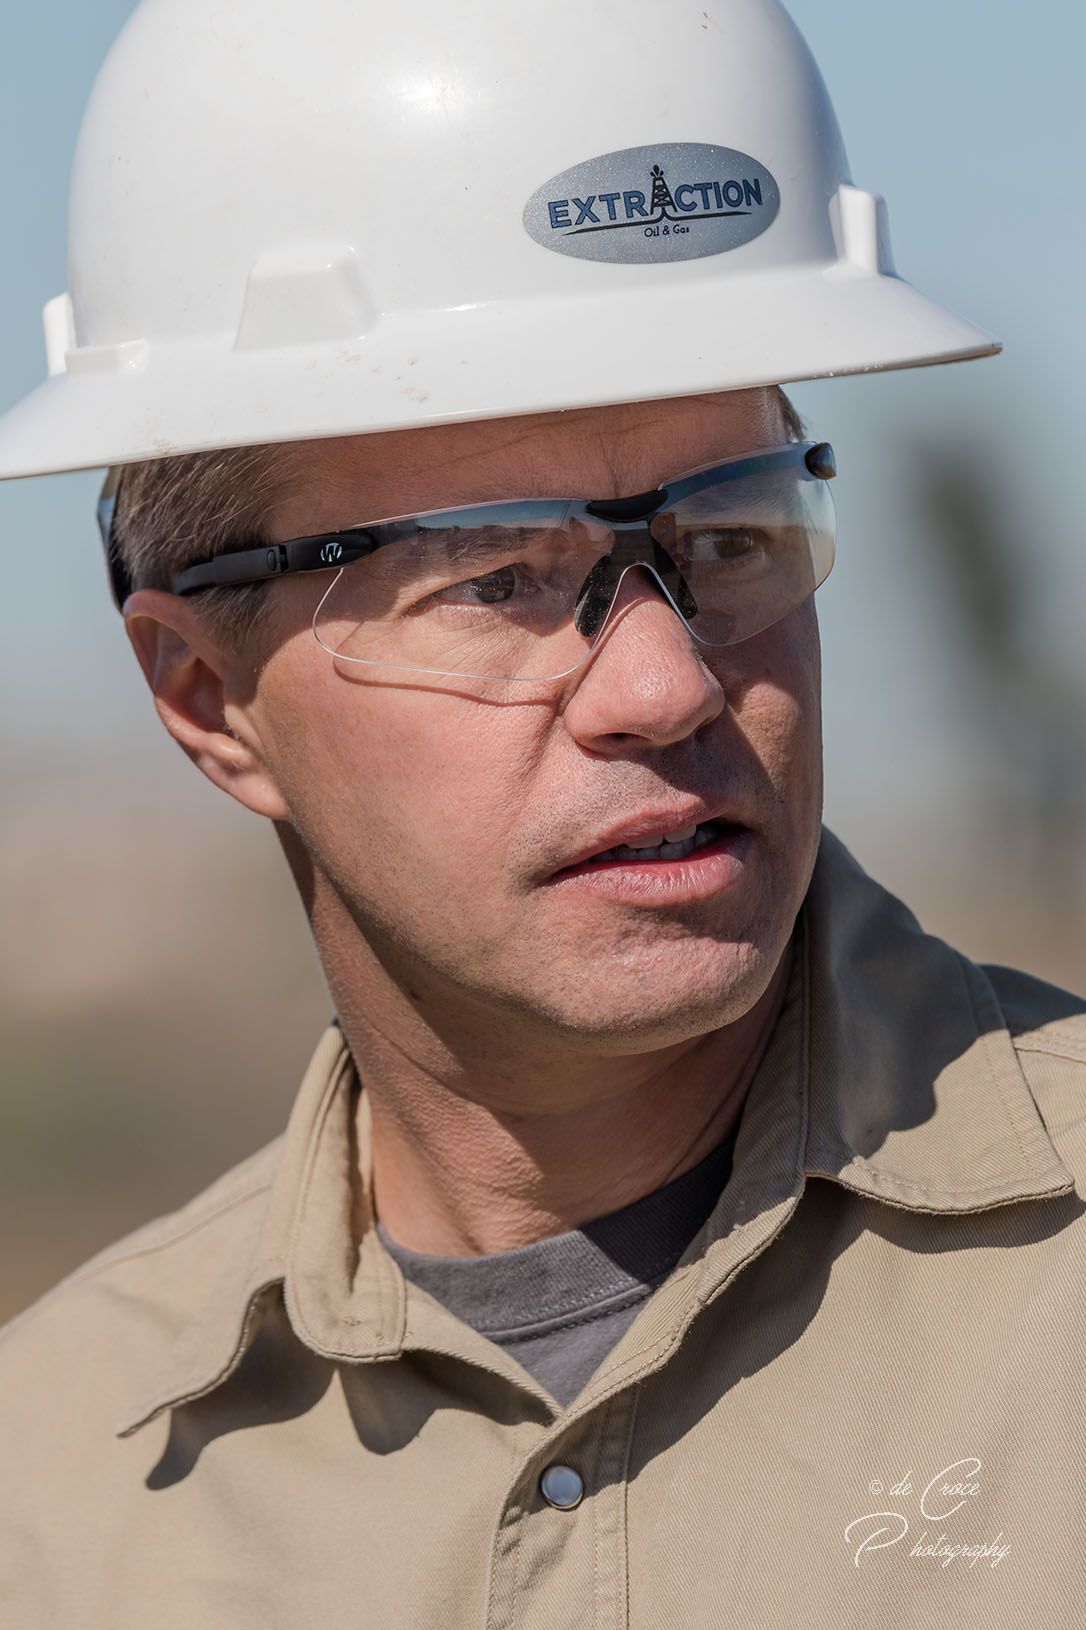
(293, 220)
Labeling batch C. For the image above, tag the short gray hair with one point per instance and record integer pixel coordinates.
(173, 512)
(790, 414)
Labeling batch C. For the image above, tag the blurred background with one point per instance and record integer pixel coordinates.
(158, 995)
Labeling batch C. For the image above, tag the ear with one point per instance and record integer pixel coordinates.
(193, 681)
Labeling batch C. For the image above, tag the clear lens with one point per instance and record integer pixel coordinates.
(491, 600)
(750, 551)
(491, 593)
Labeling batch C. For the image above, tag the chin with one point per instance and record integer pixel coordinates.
(649, 1002)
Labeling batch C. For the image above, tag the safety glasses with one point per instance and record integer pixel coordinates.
(521, 590)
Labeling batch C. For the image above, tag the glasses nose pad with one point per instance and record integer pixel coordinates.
(596, 597)
(677, 586)
(598, 591)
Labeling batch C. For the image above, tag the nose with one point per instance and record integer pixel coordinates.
(645, 681)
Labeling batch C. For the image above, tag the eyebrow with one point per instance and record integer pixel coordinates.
(497, 513)
(483, 528)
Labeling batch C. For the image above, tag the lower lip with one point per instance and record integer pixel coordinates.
(708, 871)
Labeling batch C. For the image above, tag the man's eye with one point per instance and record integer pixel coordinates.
(721, 543)
(489, 589)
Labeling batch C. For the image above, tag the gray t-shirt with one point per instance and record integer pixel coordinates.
(561, 1304)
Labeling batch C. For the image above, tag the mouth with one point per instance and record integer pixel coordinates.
(668, 848)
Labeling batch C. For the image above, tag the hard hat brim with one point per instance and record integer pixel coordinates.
(121, 405)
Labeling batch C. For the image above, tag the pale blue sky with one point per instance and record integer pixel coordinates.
(968, 116)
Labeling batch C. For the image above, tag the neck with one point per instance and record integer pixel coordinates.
(482, 1157)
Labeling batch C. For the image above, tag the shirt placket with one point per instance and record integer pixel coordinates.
(552, 1568)
(563, 1565)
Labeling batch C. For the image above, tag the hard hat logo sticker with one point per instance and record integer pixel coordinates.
(674, 201)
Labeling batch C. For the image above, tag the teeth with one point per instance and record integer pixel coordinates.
(673, 845)
(668, 837)
(681, 837)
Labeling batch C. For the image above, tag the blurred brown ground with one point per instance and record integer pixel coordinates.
(160, 998)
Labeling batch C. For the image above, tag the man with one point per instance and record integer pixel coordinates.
(667, 1231)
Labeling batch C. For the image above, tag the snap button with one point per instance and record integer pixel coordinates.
(562, 1487)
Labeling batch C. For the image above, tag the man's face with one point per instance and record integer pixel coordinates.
(438, 817)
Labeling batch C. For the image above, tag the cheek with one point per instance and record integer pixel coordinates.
(387, 782)
(774, 686)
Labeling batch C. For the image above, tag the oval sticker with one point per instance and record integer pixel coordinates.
(672, 201)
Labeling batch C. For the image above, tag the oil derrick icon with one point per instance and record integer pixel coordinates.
(661, 193)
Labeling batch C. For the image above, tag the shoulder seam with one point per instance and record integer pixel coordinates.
(1057, 1049)
(167, 1238)
(114, 1255)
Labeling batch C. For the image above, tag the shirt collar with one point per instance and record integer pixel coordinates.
(891, 1072)
(917, 1096)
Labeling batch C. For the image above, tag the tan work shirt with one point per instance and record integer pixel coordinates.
(856, 1402)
